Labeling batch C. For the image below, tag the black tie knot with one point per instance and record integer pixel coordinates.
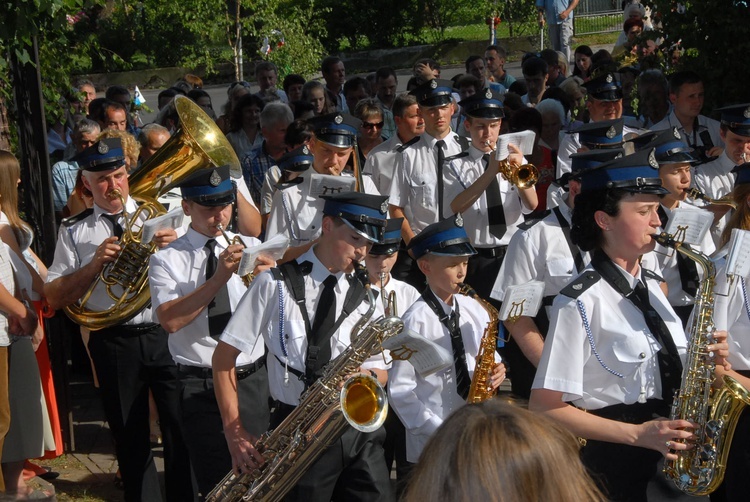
(115, 220)
(440, 144)
(330, 281)
(211, 245)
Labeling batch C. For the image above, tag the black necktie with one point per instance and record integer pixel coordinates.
(440, 144)
(219, 310)
(325, 319)
(116, 227)
(463, 382)
(495, 212)
(689, 278)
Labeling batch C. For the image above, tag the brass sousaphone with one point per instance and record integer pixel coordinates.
(197, 144)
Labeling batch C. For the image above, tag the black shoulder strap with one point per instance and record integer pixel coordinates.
(408, 144)
(69, 222)
(295, 283)
(463, 142)
(650, 274)
(580, 284)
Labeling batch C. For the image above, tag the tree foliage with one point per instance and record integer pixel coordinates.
(713, 41)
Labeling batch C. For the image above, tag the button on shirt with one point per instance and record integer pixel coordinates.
(616, 363)
(423, 402)
(76, 246)
(178, 270)
(415, 183)
(258, 319)
(539, 253)
(459, 174)
(297, 214)
(732, 313)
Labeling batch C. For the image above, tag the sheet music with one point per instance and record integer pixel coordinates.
(426, 356)
(522, 300)
(273, 247)
(524, 140)
(738, 258)
(326, 184)
(690, 225)
(172, 219)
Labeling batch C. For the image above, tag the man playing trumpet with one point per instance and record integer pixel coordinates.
(132, 357)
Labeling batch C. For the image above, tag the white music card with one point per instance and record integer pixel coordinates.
(426, 356)
(522, 300)
(738, 257)
(326, 184)
(689, 226)
(275, 247)
(172, 219)
(523, 140)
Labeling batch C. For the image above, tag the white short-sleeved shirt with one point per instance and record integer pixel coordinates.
(178, 270)
(461, 173)
(268, 313)
(732, 313)
(424, 402)
(694, 139)
(77, 242)
(612, 362)
(380, 163)
(715, 179)
(406, 296)
(540, 253)
(415, 183)
(670, 272)
(298, 215)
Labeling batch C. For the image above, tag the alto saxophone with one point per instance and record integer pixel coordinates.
(325, 411)
(481, 388)
(700, 470)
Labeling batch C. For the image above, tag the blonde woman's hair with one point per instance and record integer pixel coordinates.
(10, 173)
(740, 218)
(493, 451)
(130, 145)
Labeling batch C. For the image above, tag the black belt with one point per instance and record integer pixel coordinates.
(496, 252)
(242, 372)
(130, 329)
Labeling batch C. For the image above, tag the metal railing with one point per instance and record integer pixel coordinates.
(597, 16)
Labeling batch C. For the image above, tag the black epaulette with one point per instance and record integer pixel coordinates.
(288, 184)
(581, 284)
(408, 144)
(463, 142)
(651, 275)
(277, 275)
(530, 223)
(457, 156)
(69, 222)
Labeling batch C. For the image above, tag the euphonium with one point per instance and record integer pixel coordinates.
(481, 388)
(727, 200)
(198, 144)
(325, 411)
(700, 470)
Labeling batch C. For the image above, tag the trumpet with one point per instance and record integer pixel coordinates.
(248, 278)
(520, 175)
(727, 200)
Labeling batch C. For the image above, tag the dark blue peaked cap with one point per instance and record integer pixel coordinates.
(212, 187)
(742, 173)
(298, 160)
(603, 134)
(581, 162)
(671, 148)
(604, 87)
(391, 239)
(436, 92)
(365, 213)
(104, 155)
(736, 118)
(486, 104)
(636, 173)
(337, 129)
(445, 238)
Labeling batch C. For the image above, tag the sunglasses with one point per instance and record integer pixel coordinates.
(372, 125)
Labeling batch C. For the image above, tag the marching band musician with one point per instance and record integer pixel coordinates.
(542, 251)
(194, 289)
(304, 311)
(294, 211)
(130, 358)
(732, 313)
(454, 321)
(615, 348)
(681, 275)
(491, 206)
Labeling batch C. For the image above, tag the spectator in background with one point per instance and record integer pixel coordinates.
(370, 113)
(535, 74)
(120, 94)
(562, 64)
(495, 56)
(130, 146)
(476, 66)
(425, 69)
(575, 95)
(293, 87)
(530, 119)
(114, 116)
(632, 28)
(64, 172)
(302, 110)
(582, 66)
(601, 59)
(334, 74)
(244, 125)
(555, 76)
(653, 99)
(553, 117)
(633, 10)
(151, 138)
(274, 121)
(315, 93)
(96, 108)
(467, 85)
(86, 87)
(203, 99)
(558, 14)
(386, 84)
(355, 90)
(234, 92)
(165, 97)
(267, 76)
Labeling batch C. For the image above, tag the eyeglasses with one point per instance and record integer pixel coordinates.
(372, 125)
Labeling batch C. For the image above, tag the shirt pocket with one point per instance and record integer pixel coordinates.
(422, 187)
(561, 267)
(295, 340)
(631, 352)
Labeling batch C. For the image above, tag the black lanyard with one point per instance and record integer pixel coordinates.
(574, 251)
